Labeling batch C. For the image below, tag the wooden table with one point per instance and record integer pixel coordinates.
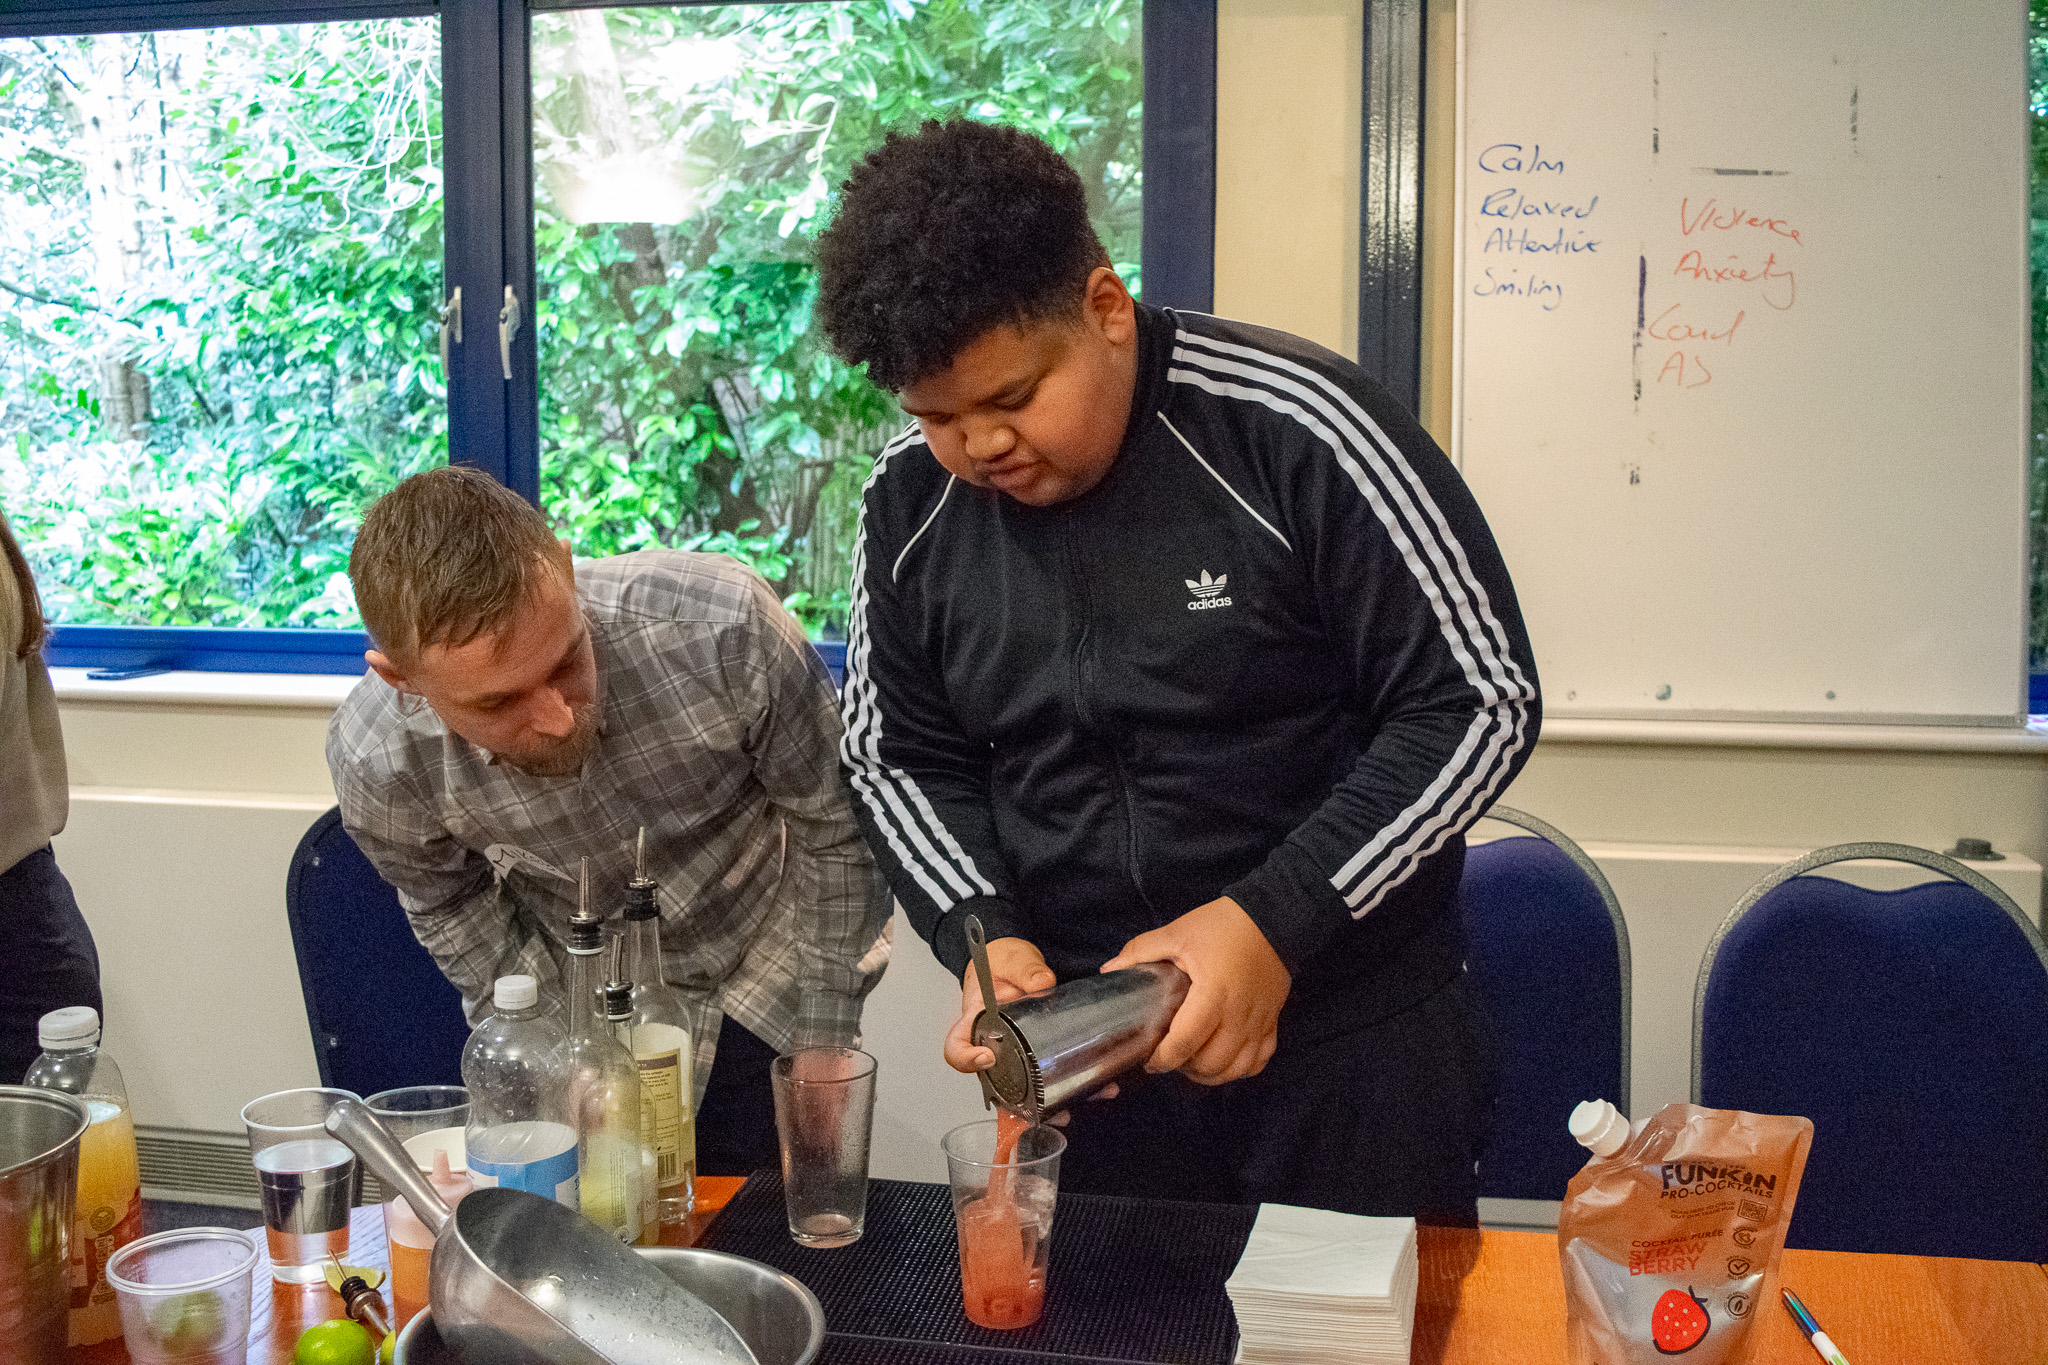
(1497, 1298)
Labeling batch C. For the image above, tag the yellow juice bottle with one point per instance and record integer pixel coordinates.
(109, 1212)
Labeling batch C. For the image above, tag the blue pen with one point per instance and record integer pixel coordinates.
(1814, 1336)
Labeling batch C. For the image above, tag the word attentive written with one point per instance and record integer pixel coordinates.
(1535, 213)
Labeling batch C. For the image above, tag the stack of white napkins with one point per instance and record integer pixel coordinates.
(1315, 1287)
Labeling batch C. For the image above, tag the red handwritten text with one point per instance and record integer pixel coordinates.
(1709, 216)
(1774, 281)
(1675, 370)
(1679, 330)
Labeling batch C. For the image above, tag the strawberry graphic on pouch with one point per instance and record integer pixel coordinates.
(1678, 1322)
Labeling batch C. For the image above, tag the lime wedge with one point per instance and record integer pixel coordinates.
(371, 1276)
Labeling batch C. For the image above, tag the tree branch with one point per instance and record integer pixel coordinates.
(75, 305)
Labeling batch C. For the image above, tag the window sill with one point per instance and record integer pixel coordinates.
(298, 691)
(1740, 734)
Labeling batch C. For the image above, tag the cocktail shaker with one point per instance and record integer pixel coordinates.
(1064, 1044)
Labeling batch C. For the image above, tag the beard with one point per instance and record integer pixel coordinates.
(563, 757)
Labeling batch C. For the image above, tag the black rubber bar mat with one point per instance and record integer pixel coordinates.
(1128, 1279)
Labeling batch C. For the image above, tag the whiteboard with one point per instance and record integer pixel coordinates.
(1742, 350)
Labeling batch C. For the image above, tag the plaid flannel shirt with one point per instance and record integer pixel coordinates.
(718, 733)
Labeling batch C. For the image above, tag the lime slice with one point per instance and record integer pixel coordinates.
(370, 1275)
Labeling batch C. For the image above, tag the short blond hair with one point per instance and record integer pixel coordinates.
(448, 555)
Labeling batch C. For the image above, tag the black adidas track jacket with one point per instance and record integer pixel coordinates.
(1273, 655)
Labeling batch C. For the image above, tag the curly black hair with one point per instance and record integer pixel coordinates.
(943, 234)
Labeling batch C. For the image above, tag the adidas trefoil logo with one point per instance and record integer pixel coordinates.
(1207, 591)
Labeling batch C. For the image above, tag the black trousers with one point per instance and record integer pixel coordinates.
(736, 1122)
(49, 954)
(1385, 1118)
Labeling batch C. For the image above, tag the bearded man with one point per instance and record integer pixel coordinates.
(523, 712)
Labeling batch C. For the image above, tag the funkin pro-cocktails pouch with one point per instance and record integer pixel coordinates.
(1670, 1235)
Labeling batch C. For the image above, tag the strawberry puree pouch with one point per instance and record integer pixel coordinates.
(1670, 1235)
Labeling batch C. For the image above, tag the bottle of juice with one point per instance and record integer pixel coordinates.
(661, 1049)
(109, 1212)
(412, 1245)
(521, 1130)
(604, 1089)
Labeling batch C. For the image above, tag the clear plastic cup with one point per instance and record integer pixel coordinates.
(424, 1119)
(309, 1180)
(184, 1296)
(1002, 1211)
(824, 1112)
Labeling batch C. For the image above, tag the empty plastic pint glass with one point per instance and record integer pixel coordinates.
(824, 1109)
(310, 1181)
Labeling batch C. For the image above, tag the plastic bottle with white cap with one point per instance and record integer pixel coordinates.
(109, 1210)
(521, 1132)
(1600, 1128)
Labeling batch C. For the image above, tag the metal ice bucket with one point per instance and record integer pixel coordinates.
(774, 1313)
(39, 1133)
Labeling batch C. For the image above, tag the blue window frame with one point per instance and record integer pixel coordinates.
(493, 422)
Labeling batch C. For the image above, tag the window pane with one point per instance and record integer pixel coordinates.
(683, 159)
(221, 257)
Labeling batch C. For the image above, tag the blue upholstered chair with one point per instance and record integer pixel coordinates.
(382, 1014)
(1912, 1028)
(1547, 955)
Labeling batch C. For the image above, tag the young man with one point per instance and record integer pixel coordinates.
(1173, 639)
(521, 714)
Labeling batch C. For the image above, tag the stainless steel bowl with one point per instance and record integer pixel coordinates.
(774, 1313)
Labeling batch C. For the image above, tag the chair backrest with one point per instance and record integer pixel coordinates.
(1547, 954)
(381, 1012)
(1912, 1027)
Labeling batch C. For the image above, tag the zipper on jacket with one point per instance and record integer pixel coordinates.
(1084, 712)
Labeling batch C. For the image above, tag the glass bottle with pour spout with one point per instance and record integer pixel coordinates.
(661, 1049)
(604, 1088)
(618, 1019)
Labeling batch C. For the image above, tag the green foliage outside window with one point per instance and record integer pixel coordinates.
(686, 397)
(218, 340)
(217, 250)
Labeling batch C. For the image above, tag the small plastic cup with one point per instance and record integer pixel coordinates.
(1002, 1211)
(184, 1296)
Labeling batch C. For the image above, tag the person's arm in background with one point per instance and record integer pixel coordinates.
(921, 785)
(792, 726)
(460, 913)
(1421, 608)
